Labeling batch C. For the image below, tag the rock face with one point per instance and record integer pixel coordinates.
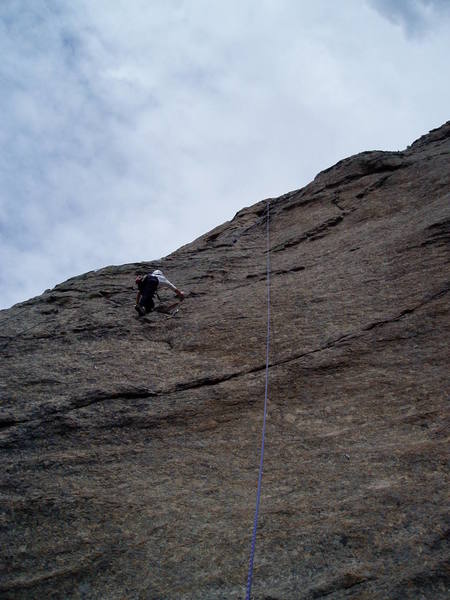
(130, 447)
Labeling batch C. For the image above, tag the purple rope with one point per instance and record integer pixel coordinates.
(263, 437)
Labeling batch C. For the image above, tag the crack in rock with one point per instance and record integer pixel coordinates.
(132, 394)
(312, 234)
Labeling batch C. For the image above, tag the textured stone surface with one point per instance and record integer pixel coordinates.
(130, 446)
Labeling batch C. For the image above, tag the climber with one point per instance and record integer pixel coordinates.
(147, 286)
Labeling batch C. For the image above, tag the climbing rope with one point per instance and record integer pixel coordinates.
(263, 436)
(12, 317)
(14, 337)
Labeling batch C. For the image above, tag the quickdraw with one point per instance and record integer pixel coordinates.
(170, 310)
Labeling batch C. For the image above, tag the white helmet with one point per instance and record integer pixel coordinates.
(157, 272)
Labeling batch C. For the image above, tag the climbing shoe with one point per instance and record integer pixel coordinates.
(139, 310)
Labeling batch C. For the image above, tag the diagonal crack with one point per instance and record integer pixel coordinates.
(409, 311)
(143, 393)
(212, 381)
(311, 234)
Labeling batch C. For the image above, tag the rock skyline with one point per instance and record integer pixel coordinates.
(130, 446)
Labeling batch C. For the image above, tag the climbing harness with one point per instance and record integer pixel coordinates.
(263, 436)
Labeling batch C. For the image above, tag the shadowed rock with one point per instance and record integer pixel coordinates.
(130, 446)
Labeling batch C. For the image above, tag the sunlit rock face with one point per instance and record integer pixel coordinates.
(130, 445)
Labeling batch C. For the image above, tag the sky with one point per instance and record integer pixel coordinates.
(130, 127)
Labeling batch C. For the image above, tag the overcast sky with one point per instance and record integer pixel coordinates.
(131, 127)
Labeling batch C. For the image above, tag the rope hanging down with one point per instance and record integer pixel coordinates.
(263, 437)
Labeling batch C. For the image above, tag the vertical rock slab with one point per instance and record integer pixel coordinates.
(130, 446)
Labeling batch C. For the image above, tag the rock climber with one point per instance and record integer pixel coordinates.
(147, 286)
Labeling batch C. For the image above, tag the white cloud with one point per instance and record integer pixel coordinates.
(132, 128)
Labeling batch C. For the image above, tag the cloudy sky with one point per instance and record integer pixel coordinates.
(131, 127)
